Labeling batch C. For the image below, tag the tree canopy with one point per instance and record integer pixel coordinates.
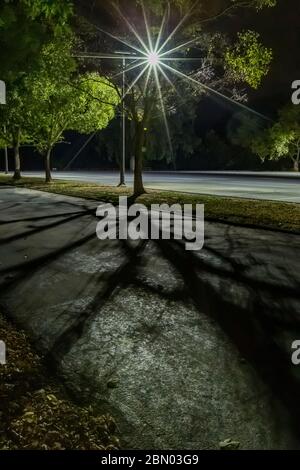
(62, 100)
(25, 26)
(248, 59)
(282, 140)
(48, 96)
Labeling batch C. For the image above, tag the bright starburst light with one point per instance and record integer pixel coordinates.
(152, 59)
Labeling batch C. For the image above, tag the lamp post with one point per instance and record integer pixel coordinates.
(3, 101)
(123, 126)
(123, 159)
(6, 154)
(119, 55)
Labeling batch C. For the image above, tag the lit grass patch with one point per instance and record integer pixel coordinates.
(249, 212)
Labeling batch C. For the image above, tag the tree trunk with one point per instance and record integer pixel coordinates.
(47, 163)
(17, 173)
(138, 187)
(297, 159)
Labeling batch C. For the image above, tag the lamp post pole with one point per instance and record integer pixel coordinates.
(123, 156)
(3, 101)
(119, 55)
(6, 155)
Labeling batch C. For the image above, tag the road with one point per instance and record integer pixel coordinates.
(184, 349)
(266, 186)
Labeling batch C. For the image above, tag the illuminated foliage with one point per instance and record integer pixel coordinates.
(58, 10)
(25, 25)
(282, 139)
(259, 4)
(62, 101)
(13, 121)
(248, 59)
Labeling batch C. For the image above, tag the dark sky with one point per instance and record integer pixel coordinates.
(280, 30)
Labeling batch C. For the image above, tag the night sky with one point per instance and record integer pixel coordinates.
(279, 28)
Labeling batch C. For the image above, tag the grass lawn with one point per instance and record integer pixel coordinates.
(249, 212)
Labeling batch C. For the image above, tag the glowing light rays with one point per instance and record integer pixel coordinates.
(128, 69)
(154, 59)
(162, 27)
(147, 80)
(177, 48)
(150, 43)
(181, 23)
(121, 40)
(215, 92)
(136, 80)
(132, 29)
(163, 109)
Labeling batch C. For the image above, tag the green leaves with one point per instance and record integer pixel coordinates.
(284, 136)
(61, 10)
(259, 4)
(52, 98)
(280, 140)
(25, 26)
(58, 10)
(97, 99)
(13, 115)
(61, 100)
(248, 59)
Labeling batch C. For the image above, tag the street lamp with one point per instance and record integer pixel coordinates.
(119, 55)
(123, 160)
(153, 59)
(5, 154)
(3, 101)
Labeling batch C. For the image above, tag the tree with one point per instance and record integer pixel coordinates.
(182, 133)
(61, 100)
(282, 139)
(244, 128)
(13, 121)
(143, 102)
(25, 27)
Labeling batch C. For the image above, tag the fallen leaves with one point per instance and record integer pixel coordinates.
(36, 413)
(229, 444)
